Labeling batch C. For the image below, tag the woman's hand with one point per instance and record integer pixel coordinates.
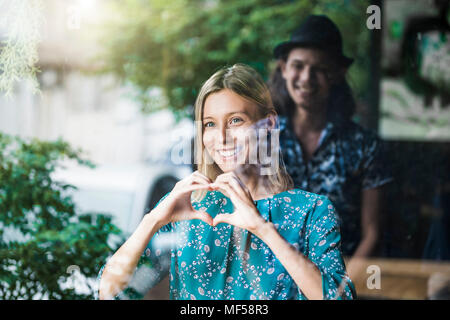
(177, 205)
(245, 214)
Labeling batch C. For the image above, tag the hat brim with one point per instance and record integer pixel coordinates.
(283, 48)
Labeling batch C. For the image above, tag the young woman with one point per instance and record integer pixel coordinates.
(244, 233)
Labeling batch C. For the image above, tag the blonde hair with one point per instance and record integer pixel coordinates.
(247, 83)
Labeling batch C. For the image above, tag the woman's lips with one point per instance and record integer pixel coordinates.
(228, 154)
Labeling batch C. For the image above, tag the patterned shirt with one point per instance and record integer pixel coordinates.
(227, 262)
(348, 159)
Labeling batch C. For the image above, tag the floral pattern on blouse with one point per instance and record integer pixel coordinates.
(348, 159)
(227, 262)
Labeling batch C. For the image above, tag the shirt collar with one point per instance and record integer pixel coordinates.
(330, 128)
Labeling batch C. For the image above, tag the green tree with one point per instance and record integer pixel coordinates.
(177, 44)
(41, 235)
(20, 26)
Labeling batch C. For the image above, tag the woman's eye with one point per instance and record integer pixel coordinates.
(209, 124)
(235, 120)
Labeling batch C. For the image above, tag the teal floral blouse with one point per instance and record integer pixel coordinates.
(227, 262)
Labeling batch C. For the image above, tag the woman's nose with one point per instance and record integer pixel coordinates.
(226, 136)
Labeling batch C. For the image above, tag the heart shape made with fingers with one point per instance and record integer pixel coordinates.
(245, 214)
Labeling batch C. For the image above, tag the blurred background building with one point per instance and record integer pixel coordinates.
(92, 111)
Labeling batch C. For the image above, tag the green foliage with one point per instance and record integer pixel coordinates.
(176, 45)
(53, 237)
(20, 22)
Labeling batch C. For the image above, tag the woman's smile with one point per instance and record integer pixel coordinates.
(229, 153)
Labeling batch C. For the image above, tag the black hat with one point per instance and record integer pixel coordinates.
(316, 31)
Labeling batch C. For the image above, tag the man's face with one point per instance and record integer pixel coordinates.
(309, 74)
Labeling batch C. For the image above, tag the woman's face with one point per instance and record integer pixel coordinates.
(228, 120)
(308, 73)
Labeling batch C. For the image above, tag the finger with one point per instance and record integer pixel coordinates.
(223, 178)
(202, 176)
(231, 176)
(199, 179)
(227, 188)
(197, 186)
(223, 218)
(192, 187)
(216, 186)
(237, 186)
(201, 215)
(193, 178)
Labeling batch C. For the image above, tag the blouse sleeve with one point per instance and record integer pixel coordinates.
(324, 251)
(152, 267)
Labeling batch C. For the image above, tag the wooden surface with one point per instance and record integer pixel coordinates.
(400, 278)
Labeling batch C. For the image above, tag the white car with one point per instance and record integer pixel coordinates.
(126, 192)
